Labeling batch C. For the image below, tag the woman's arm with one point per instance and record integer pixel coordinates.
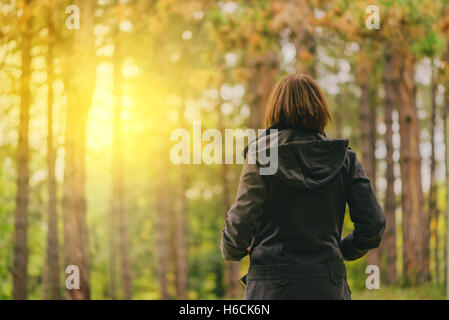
(364, 210)
(243, 217)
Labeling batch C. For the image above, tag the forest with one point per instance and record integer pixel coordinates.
(92, 91)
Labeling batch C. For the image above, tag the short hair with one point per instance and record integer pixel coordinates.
(297, 102)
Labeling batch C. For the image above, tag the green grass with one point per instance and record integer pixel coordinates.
(423, 292)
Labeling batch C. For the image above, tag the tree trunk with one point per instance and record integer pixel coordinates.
(410, 162)
(338, 117)
(112, 290)
(45, 280)
(446, 145)
(264, 70)
(21, 214)
(52, 262)
(306, 47)
(432, 201)
(389, 242)
(234, 289)
(181, 262)
(80, 84)
(178, 238)
(172, 214)
(118, 198)
(178, 235)
(437, 246)
(179, 228)
(304, 39)
(112, 252)
(368, 139)
(161, 231)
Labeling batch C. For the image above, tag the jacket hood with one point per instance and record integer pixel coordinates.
(305, 163)
(310, 164)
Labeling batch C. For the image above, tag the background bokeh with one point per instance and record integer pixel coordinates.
(86, 115)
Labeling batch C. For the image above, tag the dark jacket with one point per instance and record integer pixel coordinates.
(293, 220)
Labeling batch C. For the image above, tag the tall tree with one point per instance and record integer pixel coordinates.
(445, 29)
(368, 130)
(178, 236)
(161, 230)
(117, 167)
(232, 275)
(406, 34)
(23, 153)
(410, 163)
(429, 46)
(52, 267)
(232, 267)
(299, 18)
(446, 156)
(112, 271)
(446, 143)
(181, 262)
(264, 68)
(80, 83)
(180, 225)
(178, 228)
(389, 242)
(167, 215)
(432, 196)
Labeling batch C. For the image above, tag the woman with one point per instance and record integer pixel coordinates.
(290, 223)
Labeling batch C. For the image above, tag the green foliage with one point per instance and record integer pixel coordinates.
(431, 45)
(424, 292)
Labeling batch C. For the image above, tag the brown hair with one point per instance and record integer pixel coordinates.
(297, 102)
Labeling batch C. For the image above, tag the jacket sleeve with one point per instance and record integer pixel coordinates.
(365, 212)
(243, 218)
